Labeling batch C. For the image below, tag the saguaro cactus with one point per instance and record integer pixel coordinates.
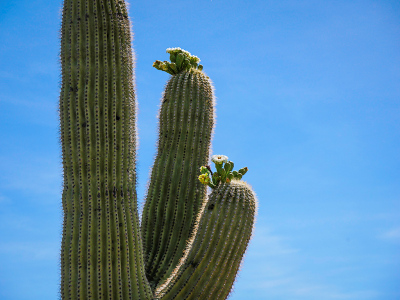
(189, 246)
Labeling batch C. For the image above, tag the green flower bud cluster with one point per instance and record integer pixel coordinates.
(223, 174)
(181, 61)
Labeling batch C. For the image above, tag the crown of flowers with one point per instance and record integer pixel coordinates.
(181, 60)
(224, 172)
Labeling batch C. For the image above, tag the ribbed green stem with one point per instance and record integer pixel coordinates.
(101, 253)
(175, 195)
(213, 256)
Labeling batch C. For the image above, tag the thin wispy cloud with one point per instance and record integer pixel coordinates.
(34, 102)
(268, 243)
(38, 175)
(30, 250)
(287, 271)
(330, 292)
(300, 286)
(4, 199)
(392, 235)
(10, 76)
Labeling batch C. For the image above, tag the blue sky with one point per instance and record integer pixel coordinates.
(308, 97)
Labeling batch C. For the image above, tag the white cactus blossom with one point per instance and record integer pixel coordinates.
(219, 159)
(177, 49)
(169, 50)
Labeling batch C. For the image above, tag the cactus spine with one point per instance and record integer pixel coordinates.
(101, 254)
(192, 246)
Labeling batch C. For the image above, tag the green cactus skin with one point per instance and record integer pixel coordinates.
(101, 251)
(213, 256)
(193, 246)
(175, 195)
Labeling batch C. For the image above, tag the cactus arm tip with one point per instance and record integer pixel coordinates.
(181, 61)
(223, 174)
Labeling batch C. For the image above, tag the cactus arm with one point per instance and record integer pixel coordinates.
(101, 252)
(214, 254)
(237, 252)
(175, 195)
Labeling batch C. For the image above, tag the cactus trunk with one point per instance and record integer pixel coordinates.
(175, 195)
(101, 253)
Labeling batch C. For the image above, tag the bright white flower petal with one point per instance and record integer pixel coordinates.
(219, 159)
(169, 50)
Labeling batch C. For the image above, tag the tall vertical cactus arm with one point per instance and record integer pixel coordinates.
(175, 195)
(215, 252)
(101, 251)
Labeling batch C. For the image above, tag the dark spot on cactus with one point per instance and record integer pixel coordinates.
(120, 224)
(165, 100)
(106, 192)
(87, 16)
(79, 19)
(115, 192)
(211, 206)
(122, 193)
(194, 264)
(98, 195)
(84, 124)
(117, 117)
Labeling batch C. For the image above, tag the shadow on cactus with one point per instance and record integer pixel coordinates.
(189, 245)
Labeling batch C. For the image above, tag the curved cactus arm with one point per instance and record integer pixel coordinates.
(101, 252)
(213, 256)
(175, 194)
